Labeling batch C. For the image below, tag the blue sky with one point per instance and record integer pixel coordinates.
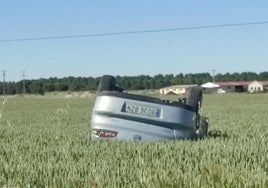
(228, 49)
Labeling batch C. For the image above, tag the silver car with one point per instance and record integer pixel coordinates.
(123, 116)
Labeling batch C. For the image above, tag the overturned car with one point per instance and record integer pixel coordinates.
(123, 116)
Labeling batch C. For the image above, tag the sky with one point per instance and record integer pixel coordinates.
(223, 49)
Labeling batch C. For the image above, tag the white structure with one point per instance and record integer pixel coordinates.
(175, 90)
(210, 85)
(257, 86)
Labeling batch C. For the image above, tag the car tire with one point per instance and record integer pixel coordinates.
(107, 83)
(202, 128)
(195, 97)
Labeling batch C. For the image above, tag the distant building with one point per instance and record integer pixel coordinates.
(210, 87)
(258, 86)
(240, 86)
(175, 90)
(244, 86)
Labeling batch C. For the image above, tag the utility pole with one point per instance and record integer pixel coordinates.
(188, 77)
(4, 80)
(23, 81)
(213, 75)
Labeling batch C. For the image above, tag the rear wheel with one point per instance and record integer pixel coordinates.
(195, 97)
(107, 83)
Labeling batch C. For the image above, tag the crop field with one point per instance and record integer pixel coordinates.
(44, 142)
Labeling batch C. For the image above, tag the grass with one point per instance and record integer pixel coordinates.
(44, 143)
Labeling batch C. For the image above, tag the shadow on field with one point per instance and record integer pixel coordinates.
(217, 134)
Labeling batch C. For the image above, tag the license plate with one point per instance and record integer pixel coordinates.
(143, 110)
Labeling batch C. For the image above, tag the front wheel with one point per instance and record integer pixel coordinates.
(202, 127)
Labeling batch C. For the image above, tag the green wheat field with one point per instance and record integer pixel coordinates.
(44, 142)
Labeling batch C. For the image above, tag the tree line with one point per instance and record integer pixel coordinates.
(70, 84)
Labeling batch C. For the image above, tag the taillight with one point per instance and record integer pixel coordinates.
(104, 133)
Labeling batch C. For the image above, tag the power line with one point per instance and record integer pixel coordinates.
(134, 32)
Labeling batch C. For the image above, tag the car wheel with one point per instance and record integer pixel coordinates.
(107, 83)
(202, 128)
(195, 97)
